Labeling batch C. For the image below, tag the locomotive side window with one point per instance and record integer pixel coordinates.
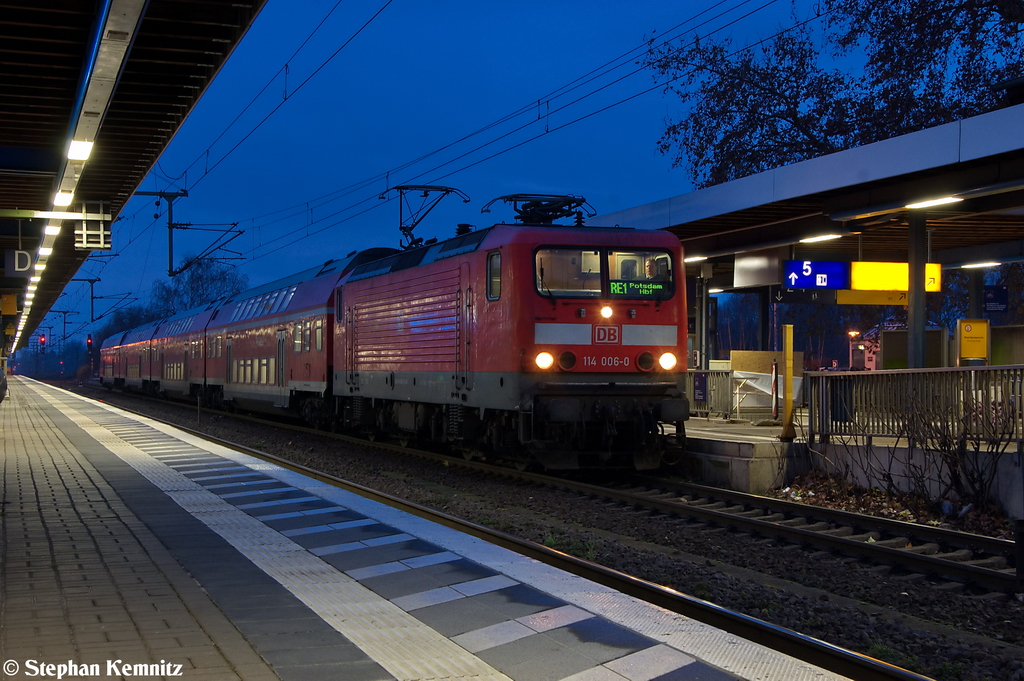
(568, 272)
(318, 334)
(637, 275)
(493, 275)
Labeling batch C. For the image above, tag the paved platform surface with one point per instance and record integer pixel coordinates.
(129, 548)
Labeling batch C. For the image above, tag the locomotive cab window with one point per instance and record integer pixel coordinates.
(493, 275)
(568, 272)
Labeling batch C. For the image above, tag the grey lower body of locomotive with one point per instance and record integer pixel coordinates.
(562, 421)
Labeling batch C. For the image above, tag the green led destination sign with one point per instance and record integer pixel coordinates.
(638, 288)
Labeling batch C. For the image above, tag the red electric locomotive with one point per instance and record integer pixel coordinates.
(530, 342)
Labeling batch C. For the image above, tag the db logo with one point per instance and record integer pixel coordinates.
(607, 334)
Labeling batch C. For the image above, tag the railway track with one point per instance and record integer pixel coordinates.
(955, 558)
(969, 559)
(941, 554)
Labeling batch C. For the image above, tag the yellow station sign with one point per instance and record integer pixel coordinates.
(891, 276)
(972, 338)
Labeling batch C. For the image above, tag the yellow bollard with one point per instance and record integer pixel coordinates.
(788, 431)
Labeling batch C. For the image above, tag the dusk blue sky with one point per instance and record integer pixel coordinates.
(419, 76)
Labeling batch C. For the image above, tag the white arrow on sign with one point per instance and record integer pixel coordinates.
(792, 278)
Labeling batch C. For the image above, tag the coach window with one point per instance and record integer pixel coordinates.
(272, 300)
(318, 335)
(493, 275)
(297, 337)
(305, 335)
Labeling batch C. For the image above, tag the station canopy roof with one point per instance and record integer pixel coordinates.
(123, 74)
(863, 194)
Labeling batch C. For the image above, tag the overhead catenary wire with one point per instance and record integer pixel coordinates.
(358, 207)
(205, 153)
(607, 67)
(547, 131)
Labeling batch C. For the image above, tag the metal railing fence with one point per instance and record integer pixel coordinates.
(980, 403)
(716, 392)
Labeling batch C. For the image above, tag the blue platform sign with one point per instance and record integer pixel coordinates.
(820, 274)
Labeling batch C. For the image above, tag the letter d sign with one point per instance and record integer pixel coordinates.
(17, 263)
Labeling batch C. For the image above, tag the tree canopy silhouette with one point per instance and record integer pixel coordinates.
(858, 72)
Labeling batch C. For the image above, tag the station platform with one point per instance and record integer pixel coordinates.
(130, 548)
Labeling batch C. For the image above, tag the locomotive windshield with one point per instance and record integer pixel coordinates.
(595, 273)
(636, 275)
(569, 272)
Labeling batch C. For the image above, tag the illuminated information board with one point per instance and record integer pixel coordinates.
(638, 288)
(858, 276)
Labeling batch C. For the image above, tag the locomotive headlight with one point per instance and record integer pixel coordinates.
(606, 312)
(544, 360)
(667, 361)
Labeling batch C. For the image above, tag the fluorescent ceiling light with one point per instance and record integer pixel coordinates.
(51, 230)
(824, 237)
(45, 250)
(40, 266)
(695, 258)
(36, 278)
(974, 265)
(934, 202)
(716, 290)
(79, 150)
(63, 198)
